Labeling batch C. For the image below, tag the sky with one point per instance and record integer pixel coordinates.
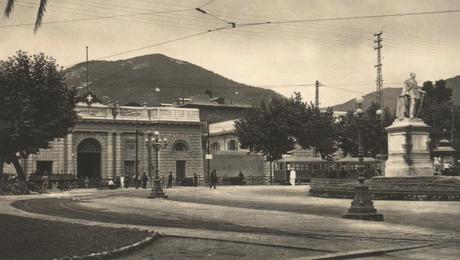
(285, 57)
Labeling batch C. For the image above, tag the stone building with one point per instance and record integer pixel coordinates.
(104, 141)
(228, 158)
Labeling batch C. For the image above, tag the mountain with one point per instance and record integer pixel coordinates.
(390, 96)
(135, 80)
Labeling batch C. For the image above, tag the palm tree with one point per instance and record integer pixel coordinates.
(41, 11)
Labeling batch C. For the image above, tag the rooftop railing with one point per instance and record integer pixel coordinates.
(100, 111)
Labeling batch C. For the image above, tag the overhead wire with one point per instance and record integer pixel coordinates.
(332, 41)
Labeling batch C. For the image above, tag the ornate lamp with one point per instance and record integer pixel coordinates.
(362, 206)
(156, 143)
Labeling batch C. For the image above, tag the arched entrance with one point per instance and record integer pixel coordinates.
(89, 159)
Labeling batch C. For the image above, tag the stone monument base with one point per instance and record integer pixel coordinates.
(408, 153)
(362, 207)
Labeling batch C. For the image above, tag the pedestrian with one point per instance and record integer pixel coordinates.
(241, 176)
(136, 181)
(144, 180)
(170, 180)
(127, 181)
(213, 180)
(111, 183)
(292, 176)
(195, 179)
(45, 182)
(86, 182)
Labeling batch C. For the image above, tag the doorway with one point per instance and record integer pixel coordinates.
(130, 168)
(89, 159)
(180, 171)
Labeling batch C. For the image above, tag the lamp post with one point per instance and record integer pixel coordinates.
(362, 206)
(156, 143)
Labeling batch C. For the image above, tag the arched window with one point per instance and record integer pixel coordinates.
(215, 146)
(232, 145)
(89, 145)
(179, 146)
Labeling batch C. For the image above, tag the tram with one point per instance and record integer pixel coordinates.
(316, 167)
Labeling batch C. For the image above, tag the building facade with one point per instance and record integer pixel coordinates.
(110, 141)
(228, 158)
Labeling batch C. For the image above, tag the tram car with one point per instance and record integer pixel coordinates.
(307, 168)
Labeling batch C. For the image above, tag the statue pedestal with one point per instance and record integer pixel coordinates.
(408, 153)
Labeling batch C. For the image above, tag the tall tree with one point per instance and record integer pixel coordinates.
(374, 137)
(36, 106)
(317, 130)
(40, 13)
(436, 109)
(276, 126)
(268, 128)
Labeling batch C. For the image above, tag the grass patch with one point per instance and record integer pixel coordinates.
(26, 238)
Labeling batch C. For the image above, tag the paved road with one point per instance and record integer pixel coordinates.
(281, 216)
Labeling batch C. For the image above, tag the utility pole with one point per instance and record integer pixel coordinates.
(379, 83)
(87, 71)
(452, 127)
(317, 84)
(137, 151)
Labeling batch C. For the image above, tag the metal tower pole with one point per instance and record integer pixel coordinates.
(379, 81)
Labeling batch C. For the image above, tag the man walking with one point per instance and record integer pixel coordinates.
(45, 182)
(170, 180)
(292, 176)
(144, 180)
(195, 180)
(213, 180)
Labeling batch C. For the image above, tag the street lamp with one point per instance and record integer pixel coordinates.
(362, 206)
(156, 143)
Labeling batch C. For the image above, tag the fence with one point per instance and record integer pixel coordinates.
(428, 188)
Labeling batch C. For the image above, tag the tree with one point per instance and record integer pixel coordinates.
(436, 109)
(317, 130)
(40, 13)
(36, 106)
(374, 136)
(268, 128)
(276, 126)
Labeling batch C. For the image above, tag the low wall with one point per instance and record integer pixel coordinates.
(398, 188)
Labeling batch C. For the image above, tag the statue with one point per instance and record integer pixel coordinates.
(411, 99)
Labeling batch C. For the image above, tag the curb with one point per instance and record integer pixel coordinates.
(363, 253)
(117, 251)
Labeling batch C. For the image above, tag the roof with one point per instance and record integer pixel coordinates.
(356, 159)
(301, 159)
(222, 127)
(202, 100)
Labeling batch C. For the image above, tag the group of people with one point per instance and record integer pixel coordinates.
(136, 180)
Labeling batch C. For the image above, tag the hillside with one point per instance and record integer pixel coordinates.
(390, 96)
(137, 78)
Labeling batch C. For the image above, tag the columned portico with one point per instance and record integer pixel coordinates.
(118, 169)
(69, 154)
(101, 146)
(110, 161)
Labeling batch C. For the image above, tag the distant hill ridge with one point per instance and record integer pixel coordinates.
(135, 80)
(390, 96)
